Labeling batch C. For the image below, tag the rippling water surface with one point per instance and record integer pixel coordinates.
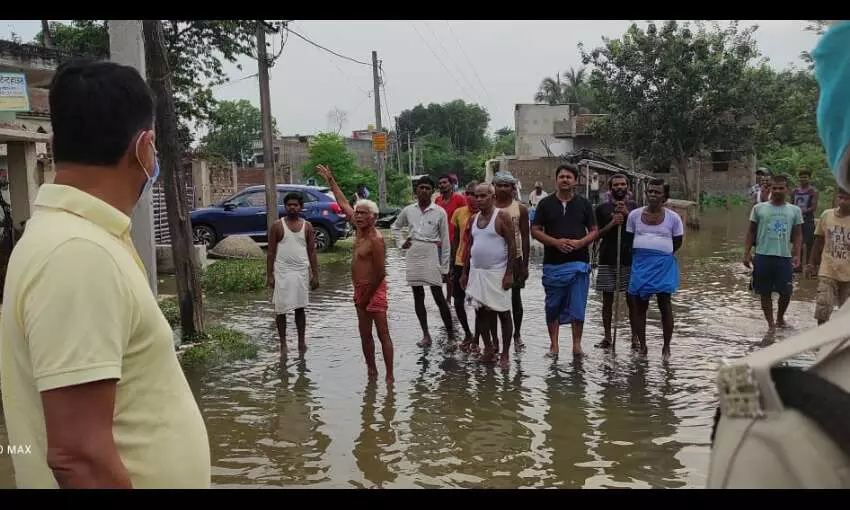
(610, 420)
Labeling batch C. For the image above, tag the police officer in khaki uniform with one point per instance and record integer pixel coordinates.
(785, 427)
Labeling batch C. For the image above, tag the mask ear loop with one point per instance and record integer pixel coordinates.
(139, 160)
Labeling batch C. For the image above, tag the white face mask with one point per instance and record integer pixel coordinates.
(151, 177)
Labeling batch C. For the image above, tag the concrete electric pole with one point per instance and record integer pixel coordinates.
(380, 149)
(268, 142)
(127, 47)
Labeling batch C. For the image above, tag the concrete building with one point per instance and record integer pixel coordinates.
(292, 152)
(25, 161)
(540, 127)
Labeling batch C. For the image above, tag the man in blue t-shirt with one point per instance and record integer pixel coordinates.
(774, 226)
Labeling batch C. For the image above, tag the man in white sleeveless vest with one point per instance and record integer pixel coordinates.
(780, 426)
(505, 187)
(488, 272)
(292, 268)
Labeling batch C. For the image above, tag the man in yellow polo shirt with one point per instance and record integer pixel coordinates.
(93, 393)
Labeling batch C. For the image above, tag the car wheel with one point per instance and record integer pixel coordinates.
(205, 235)
(323, 238)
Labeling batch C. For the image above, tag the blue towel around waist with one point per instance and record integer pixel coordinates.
(653, 272)
(566, 287)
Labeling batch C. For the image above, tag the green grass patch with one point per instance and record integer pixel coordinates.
(242, 276)
(718, 201)
(218, 345)
(235, 276)
(170, 310)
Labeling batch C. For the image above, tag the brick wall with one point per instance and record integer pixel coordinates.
(221, 181)
(718, 177)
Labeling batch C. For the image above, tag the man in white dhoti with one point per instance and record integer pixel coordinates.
(292, 268)
(488, 277)
(426, 265)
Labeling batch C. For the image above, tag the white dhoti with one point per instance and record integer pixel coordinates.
(484, 288)
(291, 290)
(423, 265)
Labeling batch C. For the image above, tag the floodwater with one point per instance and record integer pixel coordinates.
(608, 421)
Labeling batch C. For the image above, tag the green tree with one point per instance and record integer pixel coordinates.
(573, 89)
(233, 128)
(196, 51)
(672, 92)
(504, 142)
(329, 149)
(465, 125)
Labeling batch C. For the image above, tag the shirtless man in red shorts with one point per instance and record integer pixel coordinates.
(368, 272)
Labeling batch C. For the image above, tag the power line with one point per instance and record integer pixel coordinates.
(469, 61)
(462, 89)
(452, 60)
(326, 49)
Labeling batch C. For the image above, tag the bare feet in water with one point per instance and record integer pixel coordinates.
(425, 342)
(665, 353)
(504, 361)
(518, 344)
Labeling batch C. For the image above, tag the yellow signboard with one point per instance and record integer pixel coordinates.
(13, 93)
(379, 142)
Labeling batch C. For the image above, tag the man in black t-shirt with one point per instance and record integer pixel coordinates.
(611, 216)
(565, 224)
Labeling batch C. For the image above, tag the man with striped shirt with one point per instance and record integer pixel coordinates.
(611, 216)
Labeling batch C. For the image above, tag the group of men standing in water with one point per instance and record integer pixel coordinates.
(477, 245)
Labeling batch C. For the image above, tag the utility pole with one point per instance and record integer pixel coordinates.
(398, 147)
(266, 112)
(382, 174)
(127, 46)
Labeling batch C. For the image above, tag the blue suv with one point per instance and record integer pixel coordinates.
(245, 214)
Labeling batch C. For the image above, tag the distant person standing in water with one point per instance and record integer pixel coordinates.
(450, 200)
(565, 224)
(505, 190)
(292, 268)
(831, 255)
(488, 272)
(806, 198)
(657, 234)
(460, 222)
(425, 264)
(369, 276)
(774, 227)
(611, 217)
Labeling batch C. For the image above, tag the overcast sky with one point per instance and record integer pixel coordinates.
(493, 63)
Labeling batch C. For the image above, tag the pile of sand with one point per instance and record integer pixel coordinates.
(237, 247)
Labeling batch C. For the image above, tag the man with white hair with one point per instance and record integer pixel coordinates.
(369, 275)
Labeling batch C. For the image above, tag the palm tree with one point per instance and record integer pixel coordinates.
(574, 90)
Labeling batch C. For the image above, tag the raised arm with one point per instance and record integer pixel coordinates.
(325, 173)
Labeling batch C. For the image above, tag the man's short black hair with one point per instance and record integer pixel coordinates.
(294, 196)
(657, 181)
(96, 109)
(805, 171)
(617, 176)
(444, 176)
(779, 179)
(425, 179)
(569, 168)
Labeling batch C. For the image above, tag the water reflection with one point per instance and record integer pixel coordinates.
(637, 426)
(374, 448)
(565, 439)
(299, 444)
